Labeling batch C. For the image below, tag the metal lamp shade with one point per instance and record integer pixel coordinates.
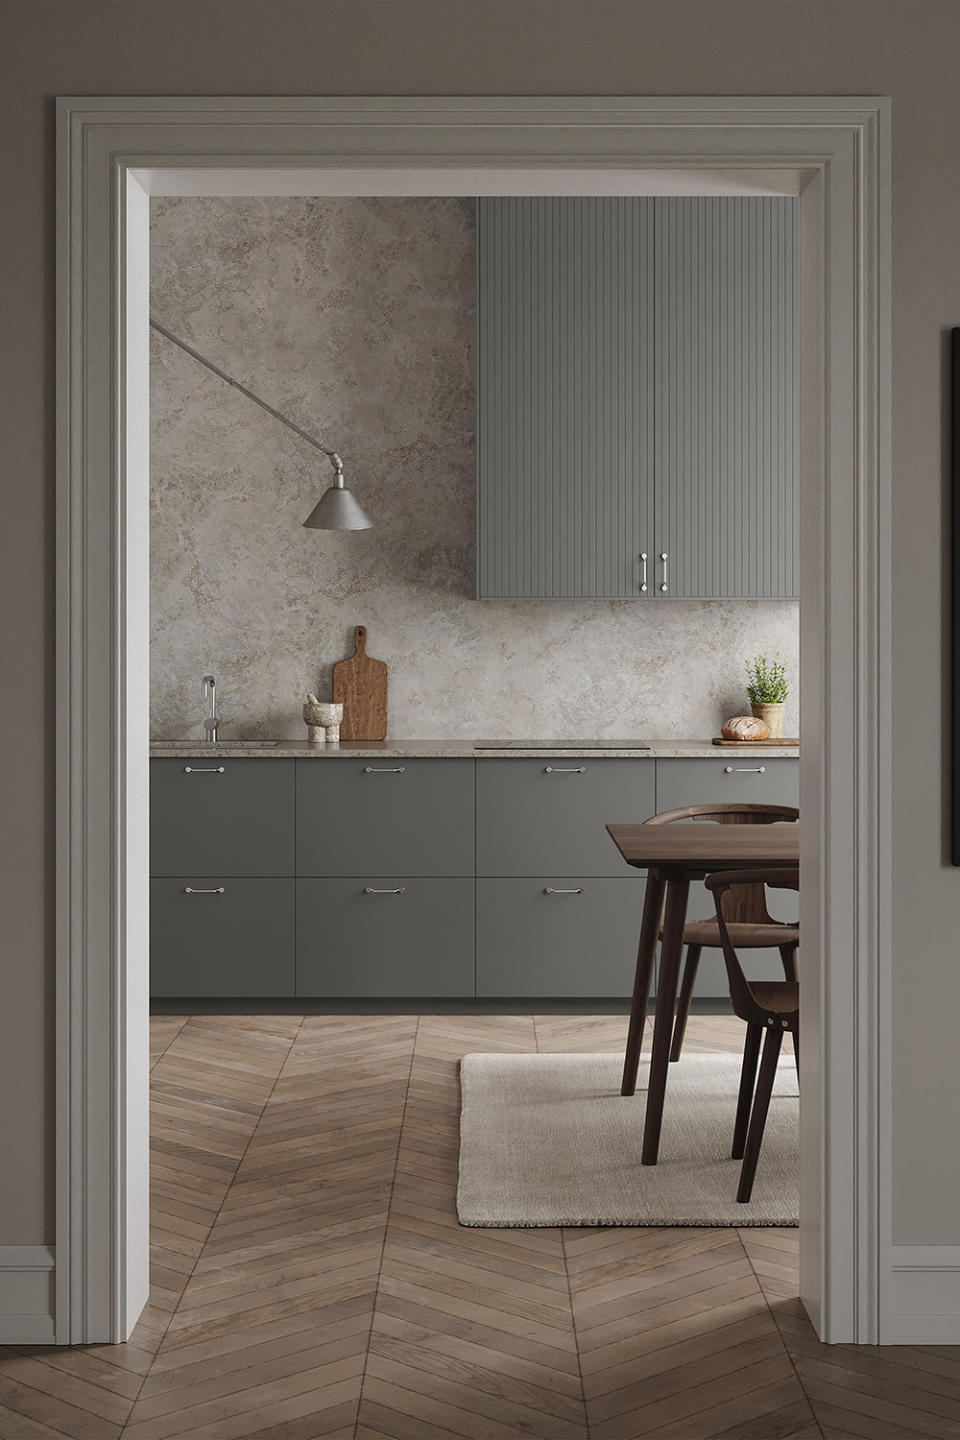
(338, 509)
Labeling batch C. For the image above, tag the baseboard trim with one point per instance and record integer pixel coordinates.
(922, 1301)
(26, 1295)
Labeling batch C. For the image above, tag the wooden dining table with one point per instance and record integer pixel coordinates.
(672, 856)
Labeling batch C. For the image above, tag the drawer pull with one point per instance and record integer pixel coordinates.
(398, 890)
(560, 770)
(745, 770)
(549, 890)
(204, 769)
(384, 769)
(218, 890)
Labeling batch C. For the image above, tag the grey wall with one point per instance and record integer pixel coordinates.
(906, 50)
(356, 318)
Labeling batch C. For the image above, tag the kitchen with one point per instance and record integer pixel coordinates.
(358, 318)
(521, 587)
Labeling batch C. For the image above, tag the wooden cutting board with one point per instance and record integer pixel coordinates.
(722, 740)
(360, 686)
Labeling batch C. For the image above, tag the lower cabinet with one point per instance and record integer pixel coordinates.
(218, 937)
(439, 933)
(557, 937)
(731, 776)
(387, 937)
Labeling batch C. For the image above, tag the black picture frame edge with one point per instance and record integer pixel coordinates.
(955, 592)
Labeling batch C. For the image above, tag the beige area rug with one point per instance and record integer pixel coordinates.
(549, 1140)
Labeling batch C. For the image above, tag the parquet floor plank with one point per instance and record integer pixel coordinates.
(310, 1279)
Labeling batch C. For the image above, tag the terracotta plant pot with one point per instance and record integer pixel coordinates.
(772, 716)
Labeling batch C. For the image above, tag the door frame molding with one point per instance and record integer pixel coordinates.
(111, 153)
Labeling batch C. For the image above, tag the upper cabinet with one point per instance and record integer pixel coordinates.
(638, 389)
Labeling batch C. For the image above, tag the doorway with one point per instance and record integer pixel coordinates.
(117, 153)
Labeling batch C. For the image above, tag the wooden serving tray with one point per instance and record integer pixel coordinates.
(787, 740)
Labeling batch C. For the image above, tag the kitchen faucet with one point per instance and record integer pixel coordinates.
(211, 721)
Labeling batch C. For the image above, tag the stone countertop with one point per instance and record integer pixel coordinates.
(400, 749)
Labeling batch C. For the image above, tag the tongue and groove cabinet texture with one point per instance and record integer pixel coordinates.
(637, 397)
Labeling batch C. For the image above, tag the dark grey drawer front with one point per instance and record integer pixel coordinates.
(418, 942)
(531, 943)
(237, 820)
(537, 817)
(371, 817)
(731, 777)
(728, 777)
(237, 943)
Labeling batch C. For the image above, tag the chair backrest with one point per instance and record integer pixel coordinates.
(723, 884)
(745, 904)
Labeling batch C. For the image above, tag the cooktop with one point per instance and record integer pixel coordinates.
(560, 745)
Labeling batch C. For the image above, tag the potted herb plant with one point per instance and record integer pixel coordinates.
(767, 690)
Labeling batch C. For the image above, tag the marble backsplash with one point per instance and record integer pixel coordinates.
(355, 318)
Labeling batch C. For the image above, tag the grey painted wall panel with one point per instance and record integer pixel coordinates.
(565, 347)
(727, 391)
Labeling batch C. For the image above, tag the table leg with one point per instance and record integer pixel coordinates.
(646, 952)
(671, 950)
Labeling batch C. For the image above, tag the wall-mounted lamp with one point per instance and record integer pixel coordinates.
(337, 508)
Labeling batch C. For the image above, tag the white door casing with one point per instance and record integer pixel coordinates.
(112, 153)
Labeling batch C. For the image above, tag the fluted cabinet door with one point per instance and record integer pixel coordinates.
(565, 353)
(726, 387)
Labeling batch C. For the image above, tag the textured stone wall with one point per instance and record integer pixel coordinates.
(355, 317)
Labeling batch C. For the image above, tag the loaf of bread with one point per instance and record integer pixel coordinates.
(745, 727)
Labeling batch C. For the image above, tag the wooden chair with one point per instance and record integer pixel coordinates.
(750, 925)
(770, 1007)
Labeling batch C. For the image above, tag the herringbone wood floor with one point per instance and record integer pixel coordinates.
(310, 1278)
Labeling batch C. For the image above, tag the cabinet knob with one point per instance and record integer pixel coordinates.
(204, 769)
(397, 890)
(564, 770)
(218, 890)
(384, 769)
(745, 770)
(551, 890)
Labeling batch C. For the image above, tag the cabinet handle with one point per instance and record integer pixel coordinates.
(369, 890)
(549, 890)
(219, 890)
(561, 770)
(643, 572)
(663, 561)
(745, 770)
(204, 769)
(384, 769)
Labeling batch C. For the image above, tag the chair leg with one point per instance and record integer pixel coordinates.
(788, 954)
(686, 995)
(758, 1117)
(748, 1080)
(796, 1047)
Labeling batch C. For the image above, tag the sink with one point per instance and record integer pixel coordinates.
(216, 745)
